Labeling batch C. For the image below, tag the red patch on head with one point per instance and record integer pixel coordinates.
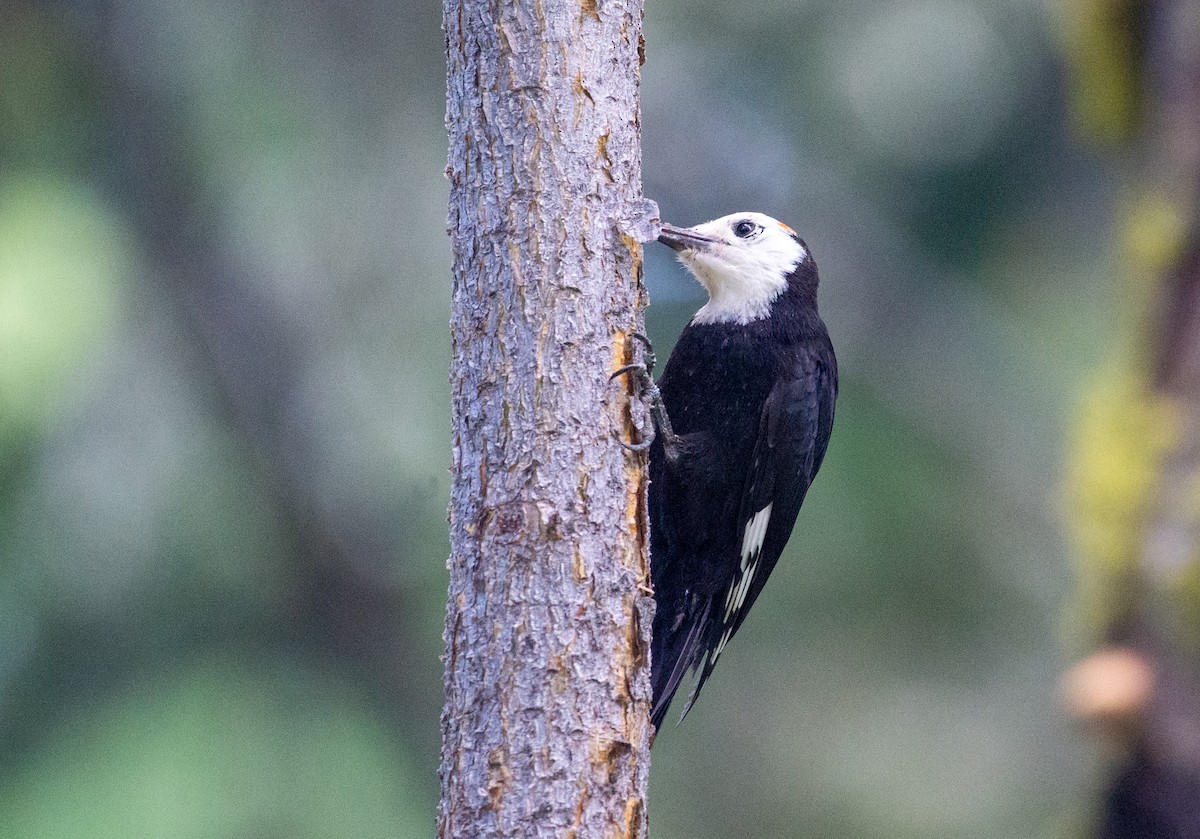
(788, 229)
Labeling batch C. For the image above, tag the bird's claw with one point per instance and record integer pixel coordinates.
(644, 383)
(636, 448)
(649, 359)
(630, 368)
(661, 424)
(642, 372)
(644, 368)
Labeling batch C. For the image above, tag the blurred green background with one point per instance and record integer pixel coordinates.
(224, 292)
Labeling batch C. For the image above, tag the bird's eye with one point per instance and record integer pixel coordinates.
(745, 229)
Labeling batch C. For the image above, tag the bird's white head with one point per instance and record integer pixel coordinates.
(743, 260)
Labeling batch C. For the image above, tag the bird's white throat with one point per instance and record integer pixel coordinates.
(743, 279)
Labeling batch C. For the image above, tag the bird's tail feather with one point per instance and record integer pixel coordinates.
(684, 658)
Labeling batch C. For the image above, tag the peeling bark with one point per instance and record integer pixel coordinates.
(545, 731)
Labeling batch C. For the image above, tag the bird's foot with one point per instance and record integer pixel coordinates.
(649, 359)
(658, 411)
(642, 375)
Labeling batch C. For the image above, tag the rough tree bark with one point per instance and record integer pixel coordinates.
(545, 730)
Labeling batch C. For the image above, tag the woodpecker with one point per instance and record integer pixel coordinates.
(744, 409)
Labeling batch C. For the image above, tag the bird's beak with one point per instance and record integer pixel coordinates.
(684, 239)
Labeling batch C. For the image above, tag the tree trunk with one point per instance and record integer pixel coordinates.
(545, 731)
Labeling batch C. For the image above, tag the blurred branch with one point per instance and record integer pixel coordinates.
(1105, 41)
(1136, 475)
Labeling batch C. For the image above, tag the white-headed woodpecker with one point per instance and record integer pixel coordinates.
(748, 396)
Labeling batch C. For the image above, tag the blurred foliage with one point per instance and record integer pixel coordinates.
(60, 273)
(1124, 432)
(218, 749)
(224, 285)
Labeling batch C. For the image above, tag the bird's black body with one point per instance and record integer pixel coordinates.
(751, 405)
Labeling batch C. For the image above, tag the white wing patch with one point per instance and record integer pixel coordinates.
(755, 535)
(712, 657)
(752, 542)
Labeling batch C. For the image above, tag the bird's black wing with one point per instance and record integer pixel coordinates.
(679, 544)
(794, 429)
